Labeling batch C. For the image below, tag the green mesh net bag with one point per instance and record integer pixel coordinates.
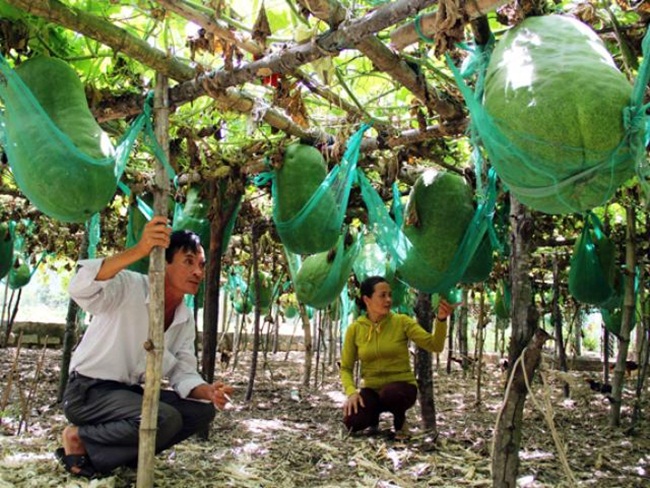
(6, 247)
(561, 124)
(612, 309)
(139, 213)
(434, 253)
(243, 296)
(21, 272)
(502, 300)
(593, 264)
(61, 159)
(372, 260)
(309, 204)
(320, 278)
(193, 215)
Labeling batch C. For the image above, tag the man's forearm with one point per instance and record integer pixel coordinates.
(116, 263)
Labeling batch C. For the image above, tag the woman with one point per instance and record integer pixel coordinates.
(379, 340)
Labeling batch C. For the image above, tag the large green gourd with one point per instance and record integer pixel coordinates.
(322, 276)
(6, 249)
(20, 274)
(593, 270)
(437, 215)
(557, 97)
(303, 170)
(266, 291)
(194, 216)
(78, 181)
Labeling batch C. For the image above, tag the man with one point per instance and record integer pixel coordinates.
(103, 398)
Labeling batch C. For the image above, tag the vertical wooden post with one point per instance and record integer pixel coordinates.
(423, 366)
(481, 325)
(525, 335)
(156, 342)
(629, 307)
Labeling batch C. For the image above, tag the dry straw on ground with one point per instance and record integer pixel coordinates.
(276, 441)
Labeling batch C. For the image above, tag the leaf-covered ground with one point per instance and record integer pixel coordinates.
(281, 439)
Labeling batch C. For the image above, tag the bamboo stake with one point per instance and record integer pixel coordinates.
(628, 311)
(480, 340)
(155, 343)
(4, 309)
(32, 389)
(10, 378)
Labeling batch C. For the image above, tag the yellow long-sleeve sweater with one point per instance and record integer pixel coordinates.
(382, 349)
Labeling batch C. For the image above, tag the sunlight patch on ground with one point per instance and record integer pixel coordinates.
(258, 426)
(537, 455)
(337, 397)
(20, 458)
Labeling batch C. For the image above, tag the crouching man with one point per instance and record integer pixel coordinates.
(103, 398)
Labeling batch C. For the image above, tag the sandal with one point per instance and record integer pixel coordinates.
(76, 464)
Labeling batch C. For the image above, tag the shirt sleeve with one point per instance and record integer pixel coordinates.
(183, 374)
(349, 357)
(94, 296)
(431, 342)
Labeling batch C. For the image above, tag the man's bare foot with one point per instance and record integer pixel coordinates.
(72, 443)
(73, 454)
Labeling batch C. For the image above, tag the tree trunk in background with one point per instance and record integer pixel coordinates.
(629, 302)
(524, 317)
(255, 233)
(211, 283)
(423, 369)
(450, 345)
(462, 331)
(577, 333)
(556, 319)
(224, 203)
(481, 324)
(644, 355)
(309, 347)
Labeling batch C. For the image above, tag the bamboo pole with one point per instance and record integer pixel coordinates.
(481, 326)
(10, 377)
(629, 301)
(24, 421)
(155, 344)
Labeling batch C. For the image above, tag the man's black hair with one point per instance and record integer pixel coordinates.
(185, 240)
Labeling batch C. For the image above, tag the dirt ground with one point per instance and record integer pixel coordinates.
(294, 439)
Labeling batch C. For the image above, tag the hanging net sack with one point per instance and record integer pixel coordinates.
(502, 300)
(320, 278)
(593, 264)
(6, 247)
(441, 231)
(561, 124)
(61, 159)
(193, 215)
(371, 260)
(309, 205)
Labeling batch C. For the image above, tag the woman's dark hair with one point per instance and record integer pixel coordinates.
(182, 239)
(367, 288)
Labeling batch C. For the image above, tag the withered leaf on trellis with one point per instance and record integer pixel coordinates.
(261, 28)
